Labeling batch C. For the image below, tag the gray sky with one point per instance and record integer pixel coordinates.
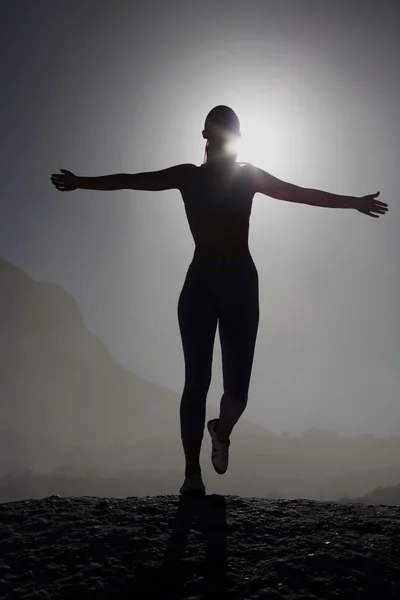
(121, 86)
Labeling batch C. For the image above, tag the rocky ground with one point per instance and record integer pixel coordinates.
(212, 548)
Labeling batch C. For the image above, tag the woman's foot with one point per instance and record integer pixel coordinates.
(220, 450)
(193, 485)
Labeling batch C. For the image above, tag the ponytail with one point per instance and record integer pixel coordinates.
(205, 158)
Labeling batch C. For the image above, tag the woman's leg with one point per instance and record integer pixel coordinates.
(198, 324)
(238, 327)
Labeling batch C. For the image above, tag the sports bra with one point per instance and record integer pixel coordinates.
(218, 203)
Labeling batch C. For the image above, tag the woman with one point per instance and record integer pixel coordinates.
(221, 285)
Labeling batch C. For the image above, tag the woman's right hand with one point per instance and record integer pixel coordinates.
(64, 182)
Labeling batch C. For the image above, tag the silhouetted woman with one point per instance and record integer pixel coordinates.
(221, 285)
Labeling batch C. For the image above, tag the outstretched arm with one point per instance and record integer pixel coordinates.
(276, 188)
(167, 179)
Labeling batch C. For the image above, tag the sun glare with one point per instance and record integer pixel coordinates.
(232, 146)
(252, 144)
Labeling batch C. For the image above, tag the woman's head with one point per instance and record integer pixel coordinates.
(221, 130)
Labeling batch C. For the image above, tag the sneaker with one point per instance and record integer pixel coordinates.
(220, 450)
(193, 485)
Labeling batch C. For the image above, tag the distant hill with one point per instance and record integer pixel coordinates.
(382, 495)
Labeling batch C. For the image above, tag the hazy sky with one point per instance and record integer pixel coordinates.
(120, 86)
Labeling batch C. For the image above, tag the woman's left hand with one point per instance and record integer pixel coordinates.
(369, 205)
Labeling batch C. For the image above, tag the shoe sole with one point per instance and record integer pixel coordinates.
(216, 469)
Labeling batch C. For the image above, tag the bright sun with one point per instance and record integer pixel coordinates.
(252, 145)
(248, 150)
(260, 143)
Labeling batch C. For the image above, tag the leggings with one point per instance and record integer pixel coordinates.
(219, 292)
